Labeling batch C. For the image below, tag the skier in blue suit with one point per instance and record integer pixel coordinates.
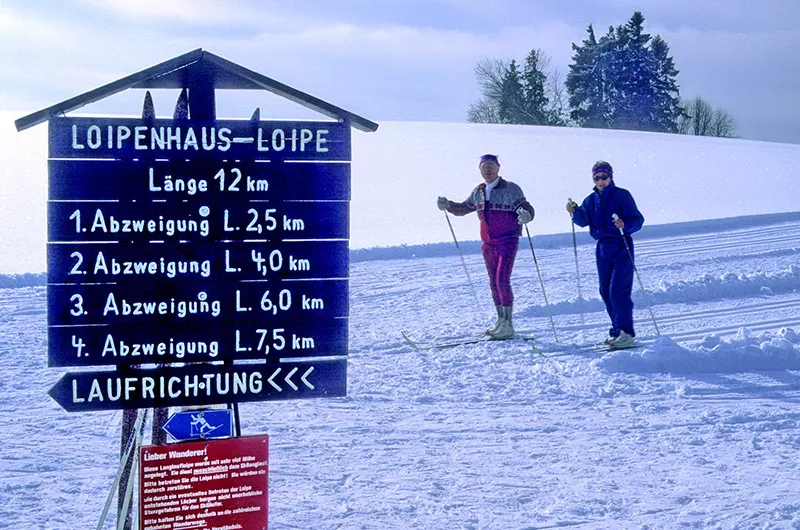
(614, 265)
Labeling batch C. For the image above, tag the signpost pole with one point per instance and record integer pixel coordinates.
(203, 106)
(132, 419)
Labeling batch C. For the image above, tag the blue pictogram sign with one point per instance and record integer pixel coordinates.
(200, 424)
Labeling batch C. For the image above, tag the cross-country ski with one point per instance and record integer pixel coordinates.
(466, 341)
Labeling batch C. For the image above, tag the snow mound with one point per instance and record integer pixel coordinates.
(706, 287)
(709, 287)
(746, 352)
(28, 279)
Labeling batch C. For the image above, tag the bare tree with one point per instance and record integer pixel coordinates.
(702, 115)
(722, 124)
(684, 121)
(489, 73)
(697, 117)
(701, 119)
(558, 99)
(484, 111)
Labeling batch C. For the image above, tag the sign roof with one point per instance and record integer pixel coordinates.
(177, 73)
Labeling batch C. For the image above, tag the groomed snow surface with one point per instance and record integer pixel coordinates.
(698, 429)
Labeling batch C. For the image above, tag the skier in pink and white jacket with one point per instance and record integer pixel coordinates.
(502, 210)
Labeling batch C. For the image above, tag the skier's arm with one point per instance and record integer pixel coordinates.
(579, 215)
(466, 207)
(525, 205)
(631, 216)
(461, 208)
(455, 208)
(524, 210)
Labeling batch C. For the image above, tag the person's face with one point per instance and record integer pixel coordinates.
(601, 180)
(489, 170)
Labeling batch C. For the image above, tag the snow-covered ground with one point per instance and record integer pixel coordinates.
(700, 429)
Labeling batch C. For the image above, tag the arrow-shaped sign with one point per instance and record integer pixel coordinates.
(199, 385)
(200, 424)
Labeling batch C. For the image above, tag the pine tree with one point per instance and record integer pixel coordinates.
(632, 76)
(669, 110)
(533, 82)
(626, 80)
(586, 85)
(512, 98)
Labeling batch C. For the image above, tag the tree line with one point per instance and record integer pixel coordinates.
(626, 79)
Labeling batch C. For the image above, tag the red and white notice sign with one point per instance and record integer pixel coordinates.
(209, 485)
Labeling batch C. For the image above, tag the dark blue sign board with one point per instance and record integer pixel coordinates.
(200, 385)
(217, 181)
(191, 241)
(194, 342)
(119, 138)
(208, 303)
(156, 263)
(200, 424)
(140, 222)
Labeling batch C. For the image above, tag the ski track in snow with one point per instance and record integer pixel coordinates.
(700, 428)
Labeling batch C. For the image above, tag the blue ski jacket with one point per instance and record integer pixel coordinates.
(597, 209)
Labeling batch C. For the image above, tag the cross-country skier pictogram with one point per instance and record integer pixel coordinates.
(199, 425)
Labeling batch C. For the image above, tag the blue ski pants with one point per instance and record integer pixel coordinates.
(615, 272)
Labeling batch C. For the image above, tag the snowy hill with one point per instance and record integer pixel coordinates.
(398, 172)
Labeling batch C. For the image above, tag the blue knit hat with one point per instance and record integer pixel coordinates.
(486, 157)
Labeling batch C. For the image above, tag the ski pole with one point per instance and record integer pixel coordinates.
(577, 270)
(541, 283)
(461, 255)
(630, 255)
(122, 521)
(130, 449)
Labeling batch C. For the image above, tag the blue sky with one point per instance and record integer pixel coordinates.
(409, 60)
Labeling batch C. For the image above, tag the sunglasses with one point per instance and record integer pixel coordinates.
(601, 176)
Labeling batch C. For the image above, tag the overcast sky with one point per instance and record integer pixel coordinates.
(409, 60)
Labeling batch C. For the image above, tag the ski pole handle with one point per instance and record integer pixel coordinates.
(615, 217)
(573, 204)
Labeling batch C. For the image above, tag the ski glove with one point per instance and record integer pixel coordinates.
(523, 216)
(442, 203)
(571, 206)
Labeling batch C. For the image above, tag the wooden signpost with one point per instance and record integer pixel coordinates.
(192, 241)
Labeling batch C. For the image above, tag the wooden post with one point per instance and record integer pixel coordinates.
(129, 416)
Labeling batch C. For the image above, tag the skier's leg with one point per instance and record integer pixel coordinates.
(507, 251)
(604, 269)
(491, 258)
(505, 264)
(620, 291)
